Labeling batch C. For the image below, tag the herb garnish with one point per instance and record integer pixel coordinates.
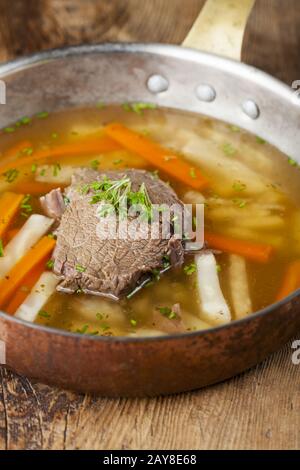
(44, 314)
(241, 203)
(190, 269)
(56, 169)
(26, 206)
(80, 269)
(238, 186)
(94, 164)
(116, 193)
(50, 264)
(42, 115)
(133, 322)
(292, 162)
(11, 175)
(167, 312)
(8, 130)
(259, 140)
(229, 150)
(138, 108)
(193, 173)
(1, 249)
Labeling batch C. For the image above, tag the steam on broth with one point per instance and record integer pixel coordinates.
(252, 220)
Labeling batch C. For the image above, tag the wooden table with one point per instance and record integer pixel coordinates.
(260, 408)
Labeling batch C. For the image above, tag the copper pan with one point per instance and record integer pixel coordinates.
(182, 78)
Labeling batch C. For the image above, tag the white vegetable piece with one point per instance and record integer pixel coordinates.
(214, 306)
(34, 228)
(239, 286)
(39, 295)
(193, 197)
(47, 175)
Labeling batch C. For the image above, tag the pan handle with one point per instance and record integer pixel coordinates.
(220, 27)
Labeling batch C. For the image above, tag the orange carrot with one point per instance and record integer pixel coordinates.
(9, 205)
(17, 276)
(35, 187)
(23, 291)
(163, 159)
(291, 280)
(16, 149)
(253, 251)
(83, 147)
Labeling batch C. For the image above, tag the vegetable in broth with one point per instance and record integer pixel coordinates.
(251, 203)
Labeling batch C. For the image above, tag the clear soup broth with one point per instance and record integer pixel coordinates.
(251, 198)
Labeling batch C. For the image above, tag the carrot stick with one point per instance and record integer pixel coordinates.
(157, 155)
(9, 204)
(291, 280)
(17, 276)
(16, 149)
(83, 147)
(24, 290)
(35, 187)
(253, 251)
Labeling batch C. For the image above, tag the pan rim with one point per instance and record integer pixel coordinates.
(168, 50)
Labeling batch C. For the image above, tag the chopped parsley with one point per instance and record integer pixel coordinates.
(80, 269)
(118, 161)
(28, 151)
(239, 186)
(99, 316)
(33, 168)
(9, 130)
(26, 206)
(167, 312)
(133, 322)
(1, 249)
(235, 129)
(166, 261)
(193, 173)
(241, 203)
(42, 115)
(50, 264)
(100, 105)
(229, 150)
(44, 314)
(138, 108)
(25, 120)
(292, 162)
(56, 169)
(190, 269)
(54, 135)
(11, 174)
(259, 140)
(219, 268)
(83, 329)
(94, 164)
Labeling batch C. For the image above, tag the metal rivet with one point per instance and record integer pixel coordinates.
(205, 93)
(157, 84)
(251, 109)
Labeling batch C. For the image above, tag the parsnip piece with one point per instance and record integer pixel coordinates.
(239, 287)
(34, 228)
(39, 295)
(213, 304)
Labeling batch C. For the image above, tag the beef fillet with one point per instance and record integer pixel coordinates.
(108, 267)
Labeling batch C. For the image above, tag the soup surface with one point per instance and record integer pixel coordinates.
(252, 220)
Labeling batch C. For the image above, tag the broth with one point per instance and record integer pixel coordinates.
(252, 196)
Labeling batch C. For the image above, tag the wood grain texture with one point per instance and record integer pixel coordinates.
(257, 410)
